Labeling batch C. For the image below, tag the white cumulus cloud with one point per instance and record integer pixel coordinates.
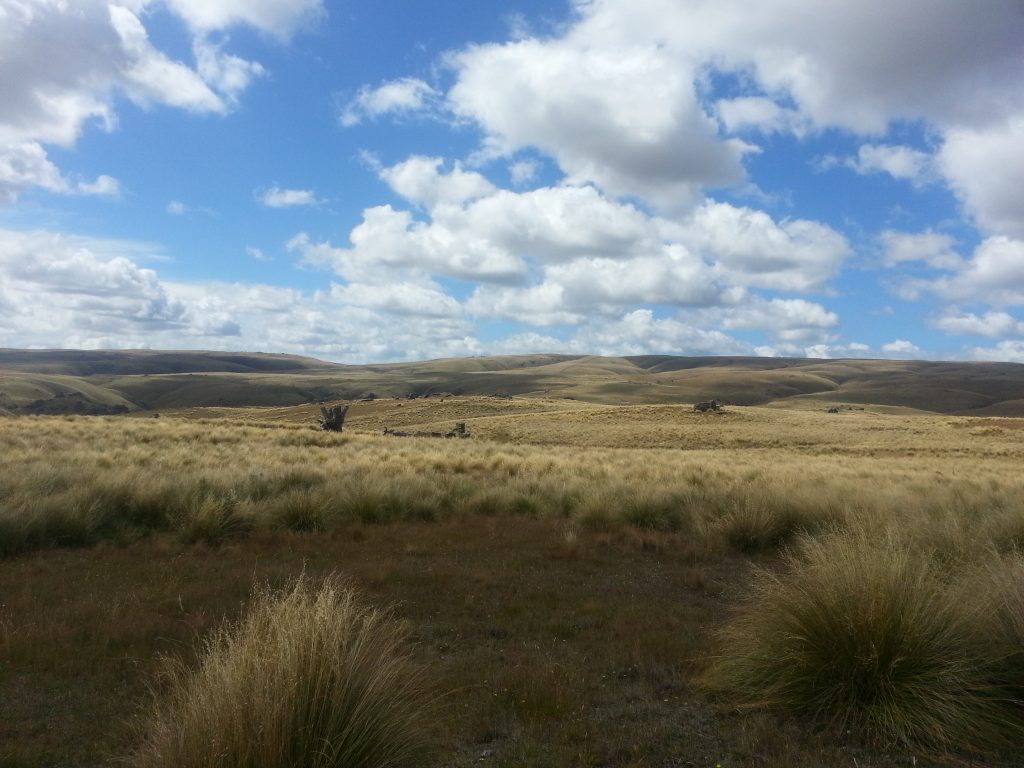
(276, 197)
(624, 116)
(617, 97)
(985, 166)
(60, 290)
(993, 275)
(149, 76)
(832, 351)
(749, 248)
(640, 332)
(404, 96)
(419, 180)
(900, 162)
(106, 53)
(56, 285)
(990, 324)
(935, 249)
(760, 112)
(902, 349)
(571, 255)
(279, 18)
(1010, 351)
(785, 320)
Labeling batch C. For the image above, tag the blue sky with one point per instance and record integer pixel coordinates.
(401, 180)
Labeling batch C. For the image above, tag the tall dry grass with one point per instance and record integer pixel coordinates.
(77, 481)
(310, 678)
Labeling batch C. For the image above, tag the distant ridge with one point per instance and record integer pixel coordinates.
(121, 362)
(104, 381)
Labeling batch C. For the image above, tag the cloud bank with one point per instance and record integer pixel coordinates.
(107, 54)
(601, 208)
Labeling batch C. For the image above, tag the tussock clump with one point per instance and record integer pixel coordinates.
(378, 500)
(657, 511)
(606, 510)
(864, 634)
(212, 519)
(260, 486)
(488, 502)
(756, 525)
(599, 513)
(307, 679)
(1005, 529)
(1002, 584)
(60, 520)
(516, 498)
(299, 510)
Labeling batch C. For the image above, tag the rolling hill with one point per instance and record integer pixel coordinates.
(73, 381)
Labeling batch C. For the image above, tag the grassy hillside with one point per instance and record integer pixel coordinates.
(76, 362)
(150, 380)
(43, 393)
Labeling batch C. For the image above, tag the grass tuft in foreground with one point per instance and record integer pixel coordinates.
(307, 679)
(865, 635)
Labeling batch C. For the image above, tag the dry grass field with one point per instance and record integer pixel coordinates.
(576, 584)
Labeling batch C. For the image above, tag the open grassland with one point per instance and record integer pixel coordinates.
(585, 584)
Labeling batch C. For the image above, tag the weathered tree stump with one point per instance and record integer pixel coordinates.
(333, 419)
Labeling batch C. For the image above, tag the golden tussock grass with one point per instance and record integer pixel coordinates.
(74, 482)
(575, 574)
(308, 678)
(864, 633)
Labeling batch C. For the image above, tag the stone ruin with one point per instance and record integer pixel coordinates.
(458, 431)
(707, 405)
(841, 408)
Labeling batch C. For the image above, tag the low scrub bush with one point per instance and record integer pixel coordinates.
(865, 634)
(308, 679)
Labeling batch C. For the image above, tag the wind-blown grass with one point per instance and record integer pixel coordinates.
(308, 679)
